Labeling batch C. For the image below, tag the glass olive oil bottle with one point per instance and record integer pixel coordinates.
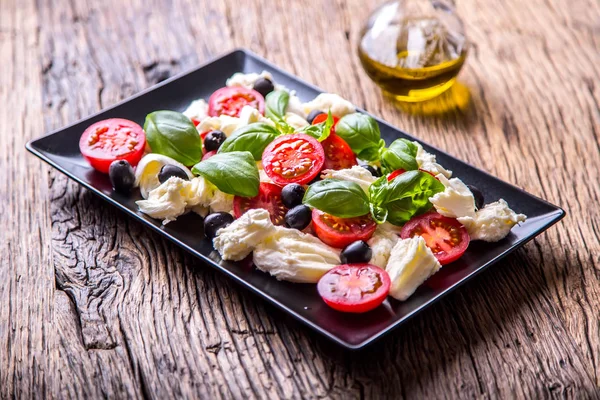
(413, 49)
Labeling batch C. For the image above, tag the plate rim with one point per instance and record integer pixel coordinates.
(552, 217)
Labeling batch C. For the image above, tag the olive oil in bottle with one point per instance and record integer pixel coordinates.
(413, 55)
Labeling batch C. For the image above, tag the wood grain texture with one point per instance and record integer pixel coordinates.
(93, 305)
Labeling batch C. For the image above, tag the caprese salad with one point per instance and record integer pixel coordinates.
(309, 190)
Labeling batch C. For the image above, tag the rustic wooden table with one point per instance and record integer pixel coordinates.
(94, 305)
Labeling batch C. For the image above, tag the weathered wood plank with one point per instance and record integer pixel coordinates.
(133, 316)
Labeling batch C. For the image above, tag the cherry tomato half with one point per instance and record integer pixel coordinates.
(296, 158)
(269, 198)
(231, 100)
(322, 118)
(340, 232)
(338, 155)
(112, 139)
(354, 288)
(446, 237)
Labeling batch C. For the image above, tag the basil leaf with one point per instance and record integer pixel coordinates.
(276, 103)
(379, 214)
(401, 154)
(361, 132)
(172, 134)
(254, 138)
(233, 173)
(405, 196)
(339, 198)
(284, 127)
(320, 131)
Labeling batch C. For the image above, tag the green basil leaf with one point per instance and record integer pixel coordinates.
(361, 132)
(233, 173)
(339, 198)
(405, 196)
(174, 135)
(276, 103)
(284, 127)
(254, 138)
(320, 131)
(401, 154)
(379, 213)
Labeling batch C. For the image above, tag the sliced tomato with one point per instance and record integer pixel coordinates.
(338, 154)
(355, 288)
(231, 100)
(268, 198)
(446, 237)
(296, 158)
(401, 171)
(208, 155)
(112, 139)
(340, 232)
(323, 117)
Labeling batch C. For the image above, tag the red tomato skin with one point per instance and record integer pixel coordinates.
(338, 154)
(208, 155)
(444, 257)
(266, 190)
(226, 94)
(336, 239)
(317, 156)
(368, 302)
(322, 118)
(100, 159)
(195, 121)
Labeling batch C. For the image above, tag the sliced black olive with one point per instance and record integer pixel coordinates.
(374, 171)
(264, 86)
(356, 253)
(121, 176)
(479, 199)
(298, 217)
(312, 115)
(168, 171)
(214, 140)
(292, 195)
(215, 221)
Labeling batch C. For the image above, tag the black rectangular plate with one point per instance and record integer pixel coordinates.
(61, 150)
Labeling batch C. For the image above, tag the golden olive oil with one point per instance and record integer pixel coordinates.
(415, 59)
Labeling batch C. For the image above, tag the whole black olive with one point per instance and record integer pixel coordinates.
(292, 195)
(121, 176)
(312, 115)
(214, 140)
(374, 171)
(264, 86)
(298, 217)
(479, 199)
(356, 253)
(168, 171)
(215, 221)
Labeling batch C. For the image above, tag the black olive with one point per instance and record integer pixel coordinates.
(356, 253)
(292, 195)
(168, 171)
(215, 221)
(264, 86)
(374, 171)
(214, 140)
(121, 176)
(298, 217)
(479, 199)
(312, 115)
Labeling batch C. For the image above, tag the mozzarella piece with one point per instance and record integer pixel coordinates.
(455, 201)
(228, 124)
(146, 172)
(197, 109)
(381, 244)
(240, 238)
(248, 80)
(356, 174)
(330, 102)
(295, 106)
(492, 223)
(428, 162)
(166, 202)
(250, 115)
(295, 121)
(291, 255)
(411, 263)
